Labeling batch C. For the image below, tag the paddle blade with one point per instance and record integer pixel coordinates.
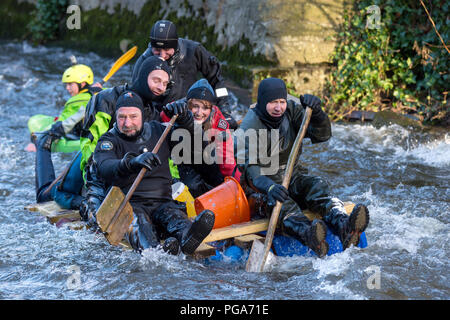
(254, 259)
(114, 227)
(127, 56)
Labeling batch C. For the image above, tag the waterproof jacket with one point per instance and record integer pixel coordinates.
(101, 116)
(249, 158)
(189, 59)
(112, 147)
(216, 126)
(73, 112)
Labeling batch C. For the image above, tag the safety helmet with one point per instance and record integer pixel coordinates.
(78, 73)
(164, 35)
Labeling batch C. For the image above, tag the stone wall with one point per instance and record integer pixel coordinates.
(292, 39)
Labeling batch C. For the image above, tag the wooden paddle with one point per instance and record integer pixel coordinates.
(258, 255)
(115, 214)
(127, 56)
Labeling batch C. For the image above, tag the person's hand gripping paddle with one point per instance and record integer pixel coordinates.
(115, 214)
(259, 252)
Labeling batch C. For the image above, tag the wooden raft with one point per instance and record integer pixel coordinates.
(243, 233)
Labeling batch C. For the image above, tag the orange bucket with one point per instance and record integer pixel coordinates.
(227, 201)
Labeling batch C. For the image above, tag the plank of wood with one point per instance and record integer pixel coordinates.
(204, 250)
(237, 230)
(245, 242)
(256, 226)
(53, 212)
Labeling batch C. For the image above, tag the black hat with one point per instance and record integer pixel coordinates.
(129, 99)
(268, 90)
(164, 35)
(202, 90)
(140, 85)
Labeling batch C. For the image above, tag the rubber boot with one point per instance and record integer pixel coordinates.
(171, 245)
(348, 228)
(44, 174)
(198, 230)
(310, 234)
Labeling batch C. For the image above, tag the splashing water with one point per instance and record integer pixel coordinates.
(400, 174)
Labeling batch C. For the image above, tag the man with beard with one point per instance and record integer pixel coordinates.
(186, 59)
(120, 155)
(274, 112)
(150, 84)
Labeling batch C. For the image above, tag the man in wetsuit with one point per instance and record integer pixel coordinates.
(150, 84)
(186, 59)
(120, 155)
(273, 114)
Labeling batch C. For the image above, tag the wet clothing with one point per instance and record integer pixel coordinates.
(190, 58)
(101, 116)
(67, 191)
(201, 178)
(156, 215)
(309, 192)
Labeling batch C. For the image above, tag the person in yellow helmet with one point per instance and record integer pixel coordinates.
(78, 80)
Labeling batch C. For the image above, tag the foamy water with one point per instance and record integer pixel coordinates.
(400, 174)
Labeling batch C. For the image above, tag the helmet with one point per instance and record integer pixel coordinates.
(164, 35)
(78, 73)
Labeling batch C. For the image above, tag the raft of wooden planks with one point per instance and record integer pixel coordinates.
(242, 234)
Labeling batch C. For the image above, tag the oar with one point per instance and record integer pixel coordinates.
(115, 214)
(127, 56)
(256, 260)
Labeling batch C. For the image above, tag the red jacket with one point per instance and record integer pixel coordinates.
(217, 125)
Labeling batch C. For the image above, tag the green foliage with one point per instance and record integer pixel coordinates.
(402, 65)
(46, 19)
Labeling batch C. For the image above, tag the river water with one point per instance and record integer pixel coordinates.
(400, 174)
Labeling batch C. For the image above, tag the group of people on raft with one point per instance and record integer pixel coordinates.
(118, 127)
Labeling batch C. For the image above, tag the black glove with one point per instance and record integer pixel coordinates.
(146, 160)
(178, 107)
(275, 192)
(57, 129)
(46, 139)
(308, 100)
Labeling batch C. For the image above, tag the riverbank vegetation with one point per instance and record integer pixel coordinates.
(393, 55)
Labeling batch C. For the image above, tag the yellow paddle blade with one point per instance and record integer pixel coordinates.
(127, 56)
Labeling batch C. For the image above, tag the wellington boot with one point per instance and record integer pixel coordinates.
(348, 228)
(199, 230)
(309, 234)
(172, 246)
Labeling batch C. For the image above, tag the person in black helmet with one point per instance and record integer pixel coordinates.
(186, 58)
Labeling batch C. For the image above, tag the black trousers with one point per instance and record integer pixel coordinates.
(154, 221)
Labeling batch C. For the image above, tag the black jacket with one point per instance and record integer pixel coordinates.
(112, 147)
(190, 59)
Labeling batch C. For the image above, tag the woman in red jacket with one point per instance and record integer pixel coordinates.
(201, 178)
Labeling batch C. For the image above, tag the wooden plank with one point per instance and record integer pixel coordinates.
(237, 230)
(204, 250)
(256, 226)
(54, 212)
(245, 242)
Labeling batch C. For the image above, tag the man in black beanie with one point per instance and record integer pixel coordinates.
(120, 155)
(150, 85)
(186, 58)
(273, 111)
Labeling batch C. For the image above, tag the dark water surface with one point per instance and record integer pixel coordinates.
(402, 175)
